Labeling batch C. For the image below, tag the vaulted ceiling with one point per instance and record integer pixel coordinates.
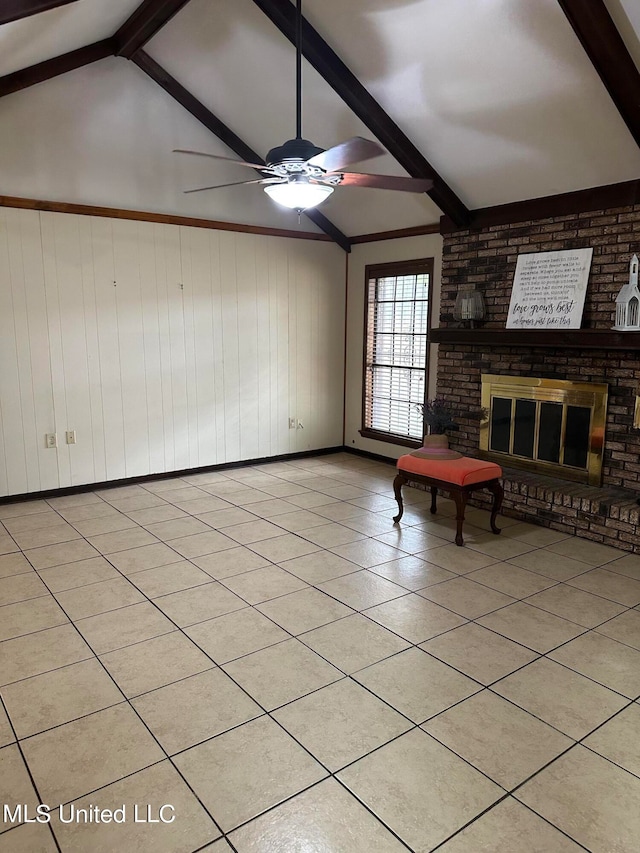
(500, 100)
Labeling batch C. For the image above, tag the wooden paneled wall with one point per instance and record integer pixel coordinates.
(164, 347)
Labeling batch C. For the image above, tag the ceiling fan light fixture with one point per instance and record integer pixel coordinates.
(298, 194)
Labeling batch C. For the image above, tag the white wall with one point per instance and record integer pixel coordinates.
(164, 347)
(387, 251)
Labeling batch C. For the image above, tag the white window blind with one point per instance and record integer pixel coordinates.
(397, 323)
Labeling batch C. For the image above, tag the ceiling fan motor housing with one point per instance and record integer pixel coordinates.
(293, 150)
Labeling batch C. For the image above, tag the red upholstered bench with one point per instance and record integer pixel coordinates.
(459, 477)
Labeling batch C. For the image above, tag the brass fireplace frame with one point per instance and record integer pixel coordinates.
(586, 394)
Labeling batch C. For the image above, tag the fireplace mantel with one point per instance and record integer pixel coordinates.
(604, 339)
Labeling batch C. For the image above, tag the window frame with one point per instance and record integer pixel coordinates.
(375, 271)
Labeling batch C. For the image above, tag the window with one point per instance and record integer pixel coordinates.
(397, 301)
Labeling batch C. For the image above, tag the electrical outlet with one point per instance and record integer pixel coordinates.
(50, 440)
(292, 423)
(71, 436)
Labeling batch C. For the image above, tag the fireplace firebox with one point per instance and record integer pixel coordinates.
(551, 426)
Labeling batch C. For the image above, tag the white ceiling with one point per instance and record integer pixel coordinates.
(497, 94)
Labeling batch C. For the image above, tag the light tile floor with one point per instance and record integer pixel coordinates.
(263, 651)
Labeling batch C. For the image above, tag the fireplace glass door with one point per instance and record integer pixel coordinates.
(547, 425)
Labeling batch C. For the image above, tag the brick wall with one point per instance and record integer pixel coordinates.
(488, 258)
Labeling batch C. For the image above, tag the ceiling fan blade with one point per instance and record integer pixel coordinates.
(386, 182)
(234, 184)
(354, 150)
(217, 157)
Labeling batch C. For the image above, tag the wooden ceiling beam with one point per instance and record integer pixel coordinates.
(144, 23)
(608, 53)
(54, 67)
(342, 80)
(13, 10)
(204, 115)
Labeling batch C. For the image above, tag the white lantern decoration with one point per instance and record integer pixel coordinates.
(628, 302)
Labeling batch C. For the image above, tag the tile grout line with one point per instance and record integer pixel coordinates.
(129, 701)
(313, 586)
(130, 704)
(28, 769)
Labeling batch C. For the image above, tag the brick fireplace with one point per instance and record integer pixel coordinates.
(487, 257)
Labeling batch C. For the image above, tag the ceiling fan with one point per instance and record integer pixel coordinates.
(299, 175)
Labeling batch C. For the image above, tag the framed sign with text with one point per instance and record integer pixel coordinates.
(549, 290)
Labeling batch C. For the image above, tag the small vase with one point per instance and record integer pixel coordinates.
(436, 447)
(439, 441)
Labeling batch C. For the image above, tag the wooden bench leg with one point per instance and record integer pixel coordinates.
(498, 494)
(460, 497)
(434, 493)
(397, 491)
